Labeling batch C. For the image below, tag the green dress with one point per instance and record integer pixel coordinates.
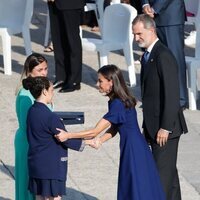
(24, 101)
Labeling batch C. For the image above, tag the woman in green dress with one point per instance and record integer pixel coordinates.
(35, 65)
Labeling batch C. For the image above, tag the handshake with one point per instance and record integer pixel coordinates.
(94, 143)
(63, 136)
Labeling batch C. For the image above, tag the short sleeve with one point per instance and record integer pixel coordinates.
(116, 112)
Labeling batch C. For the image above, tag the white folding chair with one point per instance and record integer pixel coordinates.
(15, 17)
(193, 63)
(117, 34)
(99, 12)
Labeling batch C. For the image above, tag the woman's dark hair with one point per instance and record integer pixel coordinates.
(119, 90)
(36, 85)
(31, 62)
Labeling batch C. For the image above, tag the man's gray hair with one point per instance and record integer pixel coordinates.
(147, 21)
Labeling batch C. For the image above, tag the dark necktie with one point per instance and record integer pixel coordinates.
(145, 57)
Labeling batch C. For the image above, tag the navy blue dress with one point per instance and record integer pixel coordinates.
(138, 177)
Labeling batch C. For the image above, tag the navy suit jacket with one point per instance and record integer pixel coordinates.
(160, 93)
(168, 12)
(47, 158)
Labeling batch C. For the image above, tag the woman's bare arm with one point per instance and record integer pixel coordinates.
(91, 133)
(110, 133)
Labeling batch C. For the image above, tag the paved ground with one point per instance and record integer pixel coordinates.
(92, 174)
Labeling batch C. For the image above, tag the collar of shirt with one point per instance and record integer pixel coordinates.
(151, 46)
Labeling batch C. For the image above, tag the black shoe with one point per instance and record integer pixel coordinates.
(58, 84)
(184, 107)
(70, 88)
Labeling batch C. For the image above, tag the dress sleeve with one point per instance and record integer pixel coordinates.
(116, 112)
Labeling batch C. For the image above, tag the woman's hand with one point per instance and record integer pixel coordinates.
(62, 135)
(94, 143)
(97, 143)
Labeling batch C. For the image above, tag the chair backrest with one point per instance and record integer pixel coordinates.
(98, 7)
(115, 1)
(99, 11)
(191, 6)
(15, 14)
(195, 20)
(117, 23)
(195, 9)
(197, 48)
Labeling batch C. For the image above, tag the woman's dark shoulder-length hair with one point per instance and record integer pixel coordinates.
(119, 89)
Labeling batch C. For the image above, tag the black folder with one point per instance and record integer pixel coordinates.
(70, 118)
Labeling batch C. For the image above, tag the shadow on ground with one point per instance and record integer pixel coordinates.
(2, 198)
(73, 194)
(7, 170)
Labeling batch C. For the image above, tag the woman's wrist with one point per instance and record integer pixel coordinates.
(101, 141)
(68, 135)
(87, 142)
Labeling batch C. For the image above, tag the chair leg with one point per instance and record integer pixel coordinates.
(6, 42)
(128, 53)
(192, 90)
(47, 30)
(27, 40)
(99, 63)
(197, 49)
(81, 32)
(103, 59)
(132, 76)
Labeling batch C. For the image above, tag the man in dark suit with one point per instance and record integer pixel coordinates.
(163, 120)
(170, 16)
(65, 19)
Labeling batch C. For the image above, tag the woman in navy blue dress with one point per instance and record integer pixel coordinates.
(47, 158)
(138, 176)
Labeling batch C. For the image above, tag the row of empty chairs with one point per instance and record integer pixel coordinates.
(115, 34)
